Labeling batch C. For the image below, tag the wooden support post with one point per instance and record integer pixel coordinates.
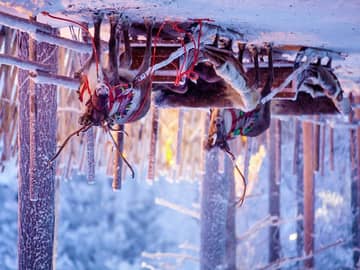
(308, 194)
(231, 211)
(90, 154)
(355, 187)
(153, 142)
(298, 156)
(274, 190)
(179, 136)
(213, 221)
(118, 162)
(36, 218)
(316, 144)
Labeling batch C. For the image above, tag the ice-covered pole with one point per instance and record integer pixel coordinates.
(37, 216)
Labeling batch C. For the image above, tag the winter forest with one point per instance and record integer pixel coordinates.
(179, 135)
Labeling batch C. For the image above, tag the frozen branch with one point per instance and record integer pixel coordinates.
(282, 262)
(188, 246)
(178, 208)
(23, 64)
(23, 25)
(162, 255)
(42, 33)
(59, 80)
(76, 46)
(90, 153)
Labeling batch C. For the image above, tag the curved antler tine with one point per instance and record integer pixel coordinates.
(76, 132)
(122, 156)
(118, 130)
(232, 157)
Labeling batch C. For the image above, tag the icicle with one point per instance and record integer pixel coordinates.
(90, 153)
(179, 136)
(153, 143)
(118, 162)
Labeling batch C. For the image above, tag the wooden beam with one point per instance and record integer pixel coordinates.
(42, 33)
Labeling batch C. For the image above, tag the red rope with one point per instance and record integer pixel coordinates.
(84, 28)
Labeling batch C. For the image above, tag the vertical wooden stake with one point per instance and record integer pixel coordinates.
(118, 162)
(153, 142)
(212, 218)
(231, 242)
(316, 145)
(179, 135)
(37, 217)
(308, 193)
(90, 154)
(323, 144)
(355, 188)
(274, 185)
(299, 191)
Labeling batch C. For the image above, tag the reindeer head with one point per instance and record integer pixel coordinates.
(96, 107)
(217, 131)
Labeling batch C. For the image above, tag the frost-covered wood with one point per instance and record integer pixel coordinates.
(153, 142)
(308, 194)
(298, 157)
(231, 242)
(179, 136)
(274, 189)
(355, 189)
(36, 218)
(316, 145)
(90, 155)
(118, 162)
(214, 203)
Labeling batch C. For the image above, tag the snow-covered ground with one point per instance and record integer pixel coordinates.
(102, 229)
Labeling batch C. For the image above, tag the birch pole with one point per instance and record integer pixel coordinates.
(37, 216)
(308, 194)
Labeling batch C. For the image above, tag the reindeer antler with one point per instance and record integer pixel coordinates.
(76, 132)
(122, 156)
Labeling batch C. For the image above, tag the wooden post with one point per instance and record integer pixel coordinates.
(153, 142)
(308, 194)
(213, 221)
(230, 216)
(316, 144)
(298, 156)
(355, 187)
(37, 216)
(274, 186)
(118, 162)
